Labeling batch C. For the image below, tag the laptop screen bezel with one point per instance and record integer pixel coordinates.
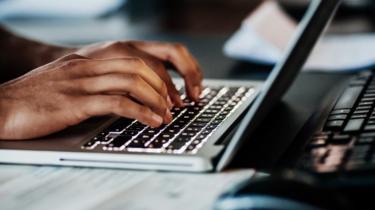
(316, 19)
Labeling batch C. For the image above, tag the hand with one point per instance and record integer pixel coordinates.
(155, 55)
(74, 88)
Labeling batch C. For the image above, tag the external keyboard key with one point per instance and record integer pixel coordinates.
(372, 134)
(369, 128)
(365, 140)
(354, 125)
(366, 104)
(359, 116)
(340, 111)
(315, 143)
(358, 83)
(367, 108)
(336, 124)
(368, 99)
(361, 112)
(340, 139)
(369, 95)
(338, 117)
(349, 97)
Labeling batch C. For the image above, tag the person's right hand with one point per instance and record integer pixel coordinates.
(75, 88)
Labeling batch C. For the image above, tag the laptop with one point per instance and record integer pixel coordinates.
(202, 137)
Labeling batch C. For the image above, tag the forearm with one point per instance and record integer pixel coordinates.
(19, 55)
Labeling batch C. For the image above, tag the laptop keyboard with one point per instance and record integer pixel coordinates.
(189, 130)
(347, 142)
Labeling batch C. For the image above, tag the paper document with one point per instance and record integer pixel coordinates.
(265, 35)
(46, 188)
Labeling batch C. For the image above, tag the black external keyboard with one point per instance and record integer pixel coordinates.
(189, 130)
(347, 141)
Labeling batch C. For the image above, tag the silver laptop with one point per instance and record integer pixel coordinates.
(202, 137)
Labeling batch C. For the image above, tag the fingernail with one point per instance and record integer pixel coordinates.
(197, 93)
(180, 103)
(169, 101)
(168, 115)
(157, 119)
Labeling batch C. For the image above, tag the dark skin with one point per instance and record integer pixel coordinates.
(43, 83)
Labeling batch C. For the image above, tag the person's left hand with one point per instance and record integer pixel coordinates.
(155, 55)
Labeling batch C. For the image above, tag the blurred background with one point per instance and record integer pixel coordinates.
(203, 25)
(85, 21)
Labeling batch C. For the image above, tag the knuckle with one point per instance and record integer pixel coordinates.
(189, 74)
(130, 44)
(159, 66)
(135, 62)
(138, 61)
(143, 111)
(63, 85)
(81, 85)
(164, 89)
(74, 56)
(161, 103)
(136, 83)
(72, 63)
(179, 47)
(114, 44)
(135, 80)
(119, 45)
(116, 103)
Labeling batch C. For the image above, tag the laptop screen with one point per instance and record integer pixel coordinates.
(312, 25)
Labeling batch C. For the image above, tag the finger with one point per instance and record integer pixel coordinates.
(120, 65)
(180, 57)
(121, 84)
(160, 69)
(99, 105)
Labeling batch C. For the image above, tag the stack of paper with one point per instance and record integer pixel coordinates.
(261, 39)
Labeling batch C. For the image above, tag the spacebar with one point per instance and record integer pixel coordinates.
(349, 97)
